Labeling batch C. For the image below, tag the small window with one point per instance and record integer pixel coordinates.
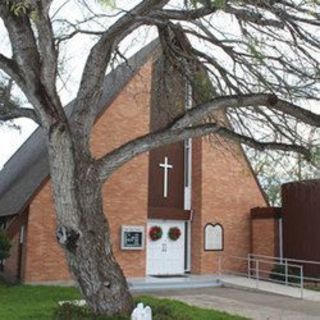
(213, 237)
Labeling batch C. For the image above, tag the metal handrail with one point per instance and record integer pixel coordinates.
(281, 259)
(256, 273)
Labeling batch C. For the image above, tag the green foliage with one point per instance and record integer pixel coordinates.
(71, 312)
(23, 7)
(162, 309)
(19, 8)
(5, 246)
(108, 3)
(218, 4)
(19, 302)
(254, 50)
(22, 302)
(165, 309)
(278, 274)
(202, 87)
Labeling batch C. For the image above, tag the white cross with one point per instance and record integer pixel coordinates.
(166, 166)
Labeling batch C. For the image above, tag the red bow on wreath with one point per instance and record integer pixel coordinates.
(155, 233)
(174, 233)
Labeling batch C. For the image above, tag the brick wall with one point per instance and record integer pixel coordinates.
(265, 238)
(125, 194)
(229, 191)
(196, 225)
(265, 231)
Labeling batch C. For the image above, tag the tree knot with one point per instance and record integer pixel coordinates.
(68, 237)
(272, 100)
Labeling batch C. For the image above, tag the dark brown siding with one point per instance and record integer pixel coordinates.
(176, 189)
(301, 222)
(167, 102)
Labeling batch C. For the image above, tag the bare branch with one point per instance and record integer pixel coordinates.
(98, 60)
(183, 14)
(251, 100)
(118, 157)
(10, 67)
(189, 126)
(254, 17)
(11, 114)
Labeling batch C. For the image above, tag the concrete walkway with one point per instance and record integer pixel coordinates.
(290, 291)
(247, 303)
(184, 282)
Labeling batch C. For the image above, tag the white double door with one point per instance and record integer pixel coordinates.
(166, 256)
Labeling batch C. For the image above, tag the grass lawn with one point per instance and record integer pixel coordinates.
(22, 302)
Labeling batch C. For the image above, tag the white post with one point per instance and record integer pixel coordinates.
(301, 282)
(257, 274)
(281, 239)
(286, 271)
(249, 266)
(219, 266)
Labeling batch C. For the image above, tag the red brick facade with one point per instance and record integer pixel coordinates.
(265, 231)
(223, 191)
(228, 192)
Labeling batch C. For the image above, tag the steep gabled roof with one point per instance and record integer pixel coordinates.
(24, 172)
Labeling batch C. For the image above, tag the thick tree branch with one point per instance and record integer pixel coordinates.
(23, 42)
(47, 49)
(118, 157)
(182, 15)
(29, 63)
(10, 67)
(254, 17)
(240, 101)
(7, 114)
(98, 60)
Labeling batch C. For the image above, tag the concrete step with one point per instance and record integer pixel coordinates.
(189, 282)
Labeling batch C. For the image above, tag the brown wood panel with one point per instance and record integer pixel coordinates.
(301, 222)
(175, 198)
(265, 213)
(168, 214)
(167, 102)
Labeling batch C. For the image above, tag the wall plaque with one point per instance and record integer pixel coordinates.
(132, 237)
(213, 237)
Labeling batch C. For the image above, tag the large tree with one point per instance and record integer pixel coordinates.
(260, 69)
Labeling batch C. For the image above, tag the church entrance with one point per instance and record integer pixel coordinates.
(166, 255)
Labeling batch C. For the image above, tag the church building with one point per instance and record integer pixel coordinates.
(171, 211)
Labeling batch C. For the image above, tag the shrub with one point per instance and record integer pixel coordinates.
(278, 274)
(69, 311)
(5, 246)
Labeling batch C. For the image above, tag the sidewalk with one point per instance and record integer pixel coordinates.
(255, 305)
(289, 291)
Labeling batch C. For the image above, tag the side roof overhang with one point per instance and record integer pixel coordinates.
(28, 168)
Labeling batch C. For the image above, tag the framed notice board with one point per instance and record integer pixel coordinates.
(132, 237)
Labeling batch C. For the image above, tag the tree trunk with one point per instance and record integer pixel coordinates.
(83, 231)
(91, 260)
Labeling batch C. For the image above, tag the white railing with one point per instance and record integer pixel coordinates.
(287, 261)
(261, 269)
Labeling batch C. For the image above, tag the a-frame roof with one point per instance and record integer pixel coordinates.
(28, 168)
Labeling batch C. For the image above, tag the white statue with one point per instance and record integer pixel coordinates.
(141, 313)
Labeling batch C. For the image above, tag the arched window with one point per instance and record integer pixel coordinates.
(213, 237)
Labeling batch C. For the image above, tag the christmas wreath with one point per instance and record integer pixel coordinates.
(174, 233)
(155, 233)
